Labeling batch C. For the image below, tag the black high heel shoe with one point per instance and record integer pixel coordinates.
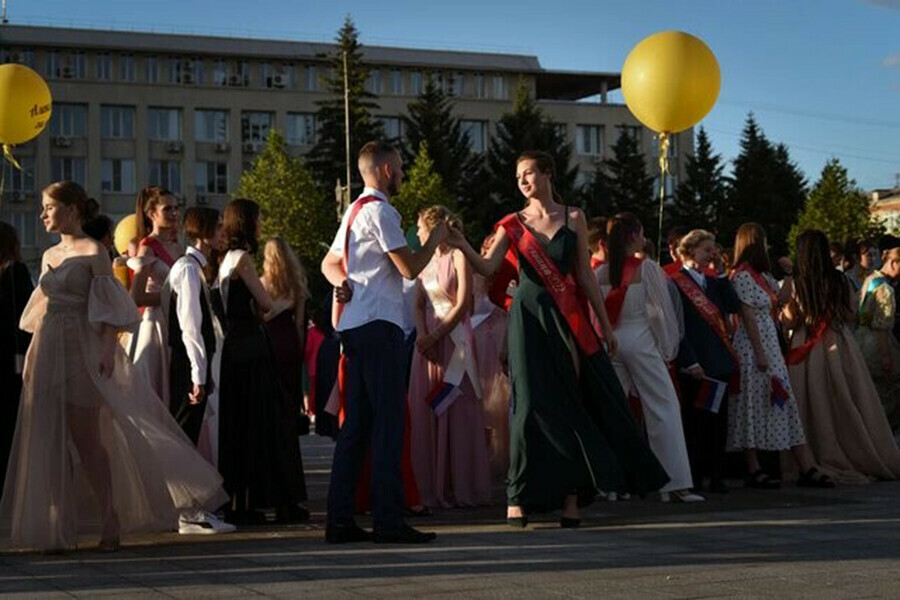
(517, 522)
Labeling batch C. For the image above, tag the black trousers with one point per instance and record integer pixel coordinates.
(375, 419)
(189, 416)
(704, 432)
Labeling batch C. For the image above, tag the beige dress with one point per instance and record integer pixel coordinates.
(153, 469)
(846, 428)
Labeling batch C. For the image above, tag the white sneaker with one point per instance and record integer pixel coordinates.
(203, 523)
(682, 496)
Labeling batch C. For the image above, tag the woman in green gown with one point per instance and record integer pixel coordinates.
(571, 433)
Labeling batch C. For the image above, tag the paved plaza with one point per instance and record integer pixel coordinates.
(791, 543)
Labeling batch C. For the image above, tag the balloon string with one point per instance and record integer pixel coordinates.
(7, 154)
(663, 172)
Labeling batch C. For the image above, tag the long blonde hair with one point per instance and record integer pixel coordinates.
(285, 276)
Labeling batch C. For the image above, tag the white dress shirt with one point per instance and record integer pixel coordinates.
(698, 277)
(186, 280)
(376, 283)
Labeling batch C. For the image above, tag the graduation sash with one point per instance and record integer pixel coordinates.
(862, 318)
(761, 282)
(615, 299)
(562, 288)
(798, 355)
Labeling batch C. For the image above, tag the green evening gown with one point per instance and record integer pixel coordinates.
(571, 431)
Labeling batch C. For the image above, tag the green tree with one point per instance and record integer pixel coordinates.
(525, 128)
(767, 188)
(291, 204)
(621, 183)
(701, 200)
(431, 120)
(328, 157)
(423, 187)
(837, 207)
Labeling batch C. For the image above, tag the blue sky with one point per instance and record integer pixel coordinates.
(822, 76)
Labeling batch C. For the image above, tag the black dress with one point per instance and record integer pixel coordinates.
(259, 456)
(15, 289)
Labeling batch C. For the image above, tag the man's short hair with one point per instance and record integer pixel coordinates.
(377, 153)
(596, 229)
(675, 234)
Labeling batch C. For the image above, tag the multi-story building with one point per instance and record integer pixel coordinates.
(190, 112)
(886, 207)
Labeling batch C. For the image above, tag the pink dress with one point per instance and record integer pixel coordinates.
(489, 332)
(449, 450)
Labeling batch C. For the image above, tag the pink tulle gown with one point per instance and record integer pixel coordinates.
(489, 331)
(89, 446)
(449, 451)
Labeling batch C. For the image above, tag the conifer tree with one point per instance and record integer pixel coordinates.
(431, 120)
(423, 187)
(837, 207)
(328, 157)
(701, 199)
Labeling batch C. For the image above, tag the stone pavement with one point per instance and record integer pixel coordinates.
(791, 543)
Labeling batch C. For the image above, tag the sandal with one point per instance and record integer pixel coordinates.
(814, 479)
(761, 481)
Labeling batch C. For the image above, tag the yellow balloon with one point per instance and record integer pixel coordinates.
(126, 232)
(25, 104)
(670, 81)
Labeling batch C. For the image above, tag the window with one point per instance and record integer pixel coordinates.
(117, 122)
(478, 85)
(242, 77)
(416, 83)
(164, 124)
(476, 130)
(501, 92)
(392, 127)
(152, 64)
(66, 65)
(301, 129)
(126, 67)
(633, 130)
(104, 66)
(211, 178)
(374, 83)
(117, 175)
(186, 71)
(397, 82)
(53, 64)
(280, 76)
(456, 84)
(68, 167)
(25, 223)
(18, 184)
(166, 174)
(211, 125)
(22, 57)
(79, 65)
(589, 140)
(68, 119)
(255, 126)
(312, 78)
(220, 73)
(197, 72)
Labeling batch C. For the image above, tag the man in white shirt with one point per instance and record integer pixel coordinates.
(367, 263)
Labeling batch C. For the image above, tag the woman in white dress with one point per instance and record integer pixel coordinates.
(94, 449)
(764, 414)
(640, 308)
(158, 249)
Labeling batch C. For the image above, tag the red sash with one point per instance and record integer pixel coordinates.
(713, 317)
(616, 296)
(158, 249)
(562, 288)
(596, 263)
(339, 308)
(761, 282)
(797, 355)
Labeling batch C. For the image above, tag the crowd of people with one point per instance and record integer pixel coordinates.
(167, 388)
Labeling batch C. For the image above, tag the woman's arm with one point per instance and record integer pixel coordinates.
(748, 318)
(141, 276)
(247, 272)
(487, 265)
(588, 281)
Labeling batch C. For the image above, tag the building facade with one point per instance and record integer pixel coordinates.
(886, 208)
(190, 112)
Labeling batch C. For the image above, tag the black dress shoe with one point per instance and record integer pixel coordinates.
(346, 534)
(406, 535)
(517, 522)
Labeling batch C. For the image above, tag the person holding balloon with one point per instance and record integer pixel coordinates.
(571, 431)
(156, 216)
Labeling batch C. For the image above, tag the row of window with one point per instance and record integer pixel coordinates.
(179, 70)
(117, 175)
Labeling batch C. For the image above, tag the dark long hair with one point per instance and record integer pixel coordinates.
(750, 248)
(822, 291)
(619, 229)
(241, 217)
